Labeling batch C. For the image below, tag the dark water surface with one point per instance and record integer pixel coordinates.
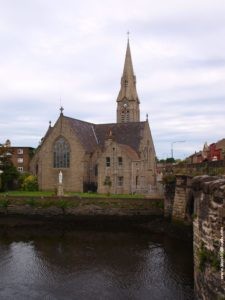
(48, 264)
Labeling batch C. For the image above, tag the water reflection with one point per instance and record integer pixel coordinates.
(94, 265)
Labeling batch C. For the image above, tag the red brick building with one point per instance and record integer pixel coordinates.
(19, 156)
(213, 152)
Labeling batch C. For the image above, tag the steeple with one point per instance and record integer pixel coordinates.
(127, 100)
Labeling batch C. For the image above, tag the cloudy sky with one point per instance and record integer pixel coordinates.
(74, 51)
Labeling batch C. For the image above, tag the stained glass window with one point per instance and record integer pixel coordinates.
(61, 154)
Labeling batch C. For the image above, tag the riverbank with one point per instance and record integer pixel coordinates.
(136, 223)
(69, 213)
(74, 206)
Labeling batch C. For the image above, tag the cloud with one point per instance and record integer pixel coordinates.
(74, 51)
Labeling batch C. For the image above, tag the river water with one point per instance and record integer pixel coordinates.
(94, 264)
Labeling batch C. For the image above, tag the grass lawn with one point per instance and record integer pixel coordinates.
(25, 193)
(82, 195)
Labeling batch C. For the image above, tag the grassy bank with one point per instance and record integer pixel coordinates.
(72, 194)
(40, 203)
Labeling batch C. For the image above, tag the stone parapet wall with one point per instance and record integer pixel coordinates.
(209, 197)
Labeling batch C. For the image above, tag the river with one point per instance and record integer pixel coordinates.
(94, 264)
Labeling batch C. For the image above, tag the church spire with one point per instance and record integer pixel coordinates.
(128, 66)
(127, 100)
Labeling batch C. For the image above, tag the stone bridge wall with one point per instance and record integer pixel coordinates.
(208, 228)
(202, 199)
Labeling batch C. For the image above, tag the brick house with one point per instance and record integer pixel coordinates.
(19, 156)
(90, 155)
(215, 151)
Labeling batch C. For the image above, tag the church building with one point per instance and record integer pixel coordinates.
(118, 158)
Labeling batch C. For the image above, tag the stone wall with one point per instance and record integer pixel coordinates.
(209, 221)
(73, 206)
(181, 199)
(202, 199)
(169, 193)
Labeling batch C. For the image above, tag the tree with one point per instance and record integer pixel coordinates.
(9, 174)
(9, 177)
(170, 160)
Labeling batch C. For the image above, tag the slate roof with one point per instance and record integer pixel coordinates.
(123, 133)
(93, 135)
(85, 133)
(220, 144)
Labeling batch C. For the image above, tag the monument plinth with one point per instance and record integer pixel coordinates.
(60, 191)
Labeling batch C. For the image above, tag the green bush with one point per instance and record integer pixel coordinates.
(31, 202)
(207, 256)
(63, 204)
(169, 179)
(4, 203)
(203, 255)
(30, 183)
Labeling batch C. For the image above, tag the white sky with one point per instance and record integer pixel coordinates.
(75, 50)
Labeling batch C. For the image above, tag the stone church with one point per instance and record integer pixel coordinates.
(117, 158)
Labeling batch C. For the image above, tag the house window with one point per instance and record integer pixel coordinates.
(107, 161)
(120, 181)
(20, 160)
(20, 169)
(61, 152)
(19, 151)
(120, 161)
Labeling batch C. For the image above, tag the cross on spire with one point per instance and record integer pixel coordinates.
(128, 34)
(61, 109)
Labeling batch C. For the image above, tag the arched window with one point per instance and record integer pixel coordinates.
(61, 151)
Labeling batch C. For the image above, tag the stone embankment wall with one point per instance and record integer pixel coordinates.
(208, 228)
(182, 194)
(72, 206)
(169, 192)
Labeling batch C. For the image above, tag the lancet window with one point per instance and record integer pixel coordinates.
(61, 151)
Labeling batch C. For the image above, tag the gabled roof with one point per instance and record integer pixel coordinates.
(92, 135)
